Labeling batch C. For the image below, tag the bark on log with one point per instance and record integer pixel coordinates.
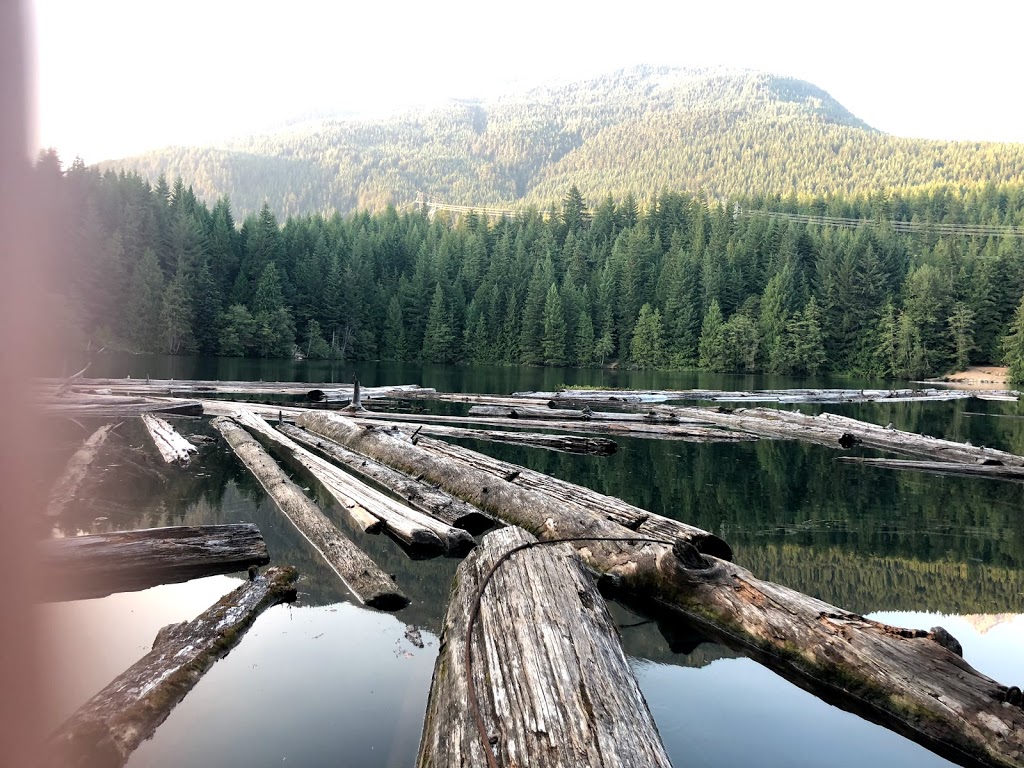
(107, 728)
(420, 495)
(423, 534)
(994, 471)
(842, 432)
(910, 681)
(553, 686)
(173, 448)
(83, 567)
(77, 468)
(360, 574)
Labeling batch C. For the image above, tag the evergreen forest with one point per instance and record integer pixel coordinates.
(674, 281)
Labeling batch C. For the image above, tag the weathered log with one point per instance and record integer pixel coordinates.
(547, 672)
(841, 431)
(587, 446)
(173, 448)
(910, 681)
(759, 395)
(114, 407)
(550, 493)
(516, 412)
(360, 574)
(655, 426)
(83, 567)
(179, 387)
(420, 495)
(423, 534)
(77, 468)
(107, 728)
(995, 470)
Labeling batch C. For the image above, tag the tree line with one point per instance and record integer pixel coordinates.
(674, 282)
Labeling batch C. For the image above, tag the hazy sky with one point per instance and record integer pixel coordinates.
(113, 77)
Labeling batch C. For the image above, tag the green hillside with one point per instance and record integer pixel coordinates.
(726, 132)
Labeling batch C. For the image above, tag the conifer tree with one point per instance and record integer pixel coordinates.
(554, 329)
(647, 347)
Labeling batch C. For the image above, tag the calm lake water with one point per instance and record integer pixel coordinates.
(328, 682)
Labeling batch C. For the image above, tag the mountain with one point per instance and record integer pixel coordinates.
(724, 132)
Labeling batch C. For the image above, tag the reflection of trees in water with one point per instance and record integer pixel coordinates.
(867, 584)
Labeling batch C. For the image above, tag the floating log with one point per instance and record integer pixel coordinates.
(547, 672)
(360, 574)
(555, 495)
(115, 407)
(173, 448)
(422, 533)
(586, 446)
(516, 412)
(995, 471)
(108, 727)
(77, 468)
(843, 432)
(758, 395)
(910, 681)
(83, 567)
(419, 495)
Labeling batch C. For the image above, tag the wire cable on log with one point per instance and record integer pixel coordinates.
(714, 629)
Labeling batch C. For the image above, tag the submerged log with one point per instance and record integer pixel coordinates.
(422, 533)
(360, 574)
(77, 468)
(910, 681)
(106, 729)
(83, 567)
(995, 470)
(173, 448)
(420, 495)
(547, 673)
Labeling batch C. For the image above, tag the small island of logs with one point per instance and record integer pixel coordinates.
(530, 671)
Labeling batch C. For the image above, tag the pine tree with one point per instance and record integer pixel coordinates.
(145, 303)
(176, 317)
(438, 338)
(554, 338)
(713, 354)
(961, 328)
(1013, 347)
(647, 349)
(394, 331)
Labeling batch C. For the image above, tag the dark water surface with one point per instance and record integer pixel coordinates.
(328, 682)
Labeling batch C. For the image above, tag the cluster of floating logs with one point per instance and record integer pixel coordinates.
(536, 677)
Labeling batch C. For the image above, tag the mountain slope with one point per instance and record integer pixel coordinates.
(726, 132)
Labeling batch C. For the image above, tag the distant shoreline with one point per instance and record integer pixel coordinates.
(976, 377)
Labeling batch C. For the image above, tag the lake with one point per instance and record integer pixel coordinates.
(328, 682)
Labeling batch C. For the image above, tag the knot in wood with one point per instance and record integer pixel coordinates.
(946, 640)
(688, 556)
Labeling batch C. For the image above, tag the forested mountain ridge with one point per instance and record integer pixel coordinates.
(746, 286)
(720, 132)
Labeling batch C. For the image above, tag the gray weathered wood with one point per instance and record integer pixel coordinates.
(589, 446)
(70, 481)
(115, 407)
(108, 727)
(994, 471)
(911, 681)
(82, 567)
(418, 494)
(422, 533)
(173, 448)
(359, 573)
(552, 683)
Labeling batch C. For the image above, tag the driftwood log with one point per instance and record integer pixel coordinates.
(115, 407)
(910, 681)
(360, 574)
(420, 495)
(760, 395)
(588, 446)
(108, 727)
(423, 534)
(995, 470)
(82, 567)
(547, 673)
(173, 448)
(843, 432)
(77, 468)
